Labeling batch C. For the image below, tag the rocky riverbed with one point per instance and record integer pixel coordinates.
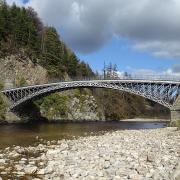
(126, 154)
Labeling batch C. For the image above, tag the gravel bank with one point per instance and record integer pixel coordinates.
(145, 120)
(129, 154)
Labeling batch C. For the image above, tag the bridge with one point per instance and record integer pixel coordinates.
(164, 92)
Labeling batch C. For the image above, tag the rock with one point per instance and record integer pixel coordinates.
(134, 176)
(84, 173)
(22, 162)
(176, 174)
(41, 164)
(2, 161)
(14, 155)
(32, 162)
(149, 175)
(106, 164)
(156, 176)
(100, 174)
(20, 173)
(117, 178)
(48, 169)
(37, 137)
(23, 159)
(48, 143)
(121, 172)
(136, 154)
(19, 167)
(41, 172)
(75, 175)
(151, 157)
(19, 150)
(30, 169)
(172, 128)
(7, 149)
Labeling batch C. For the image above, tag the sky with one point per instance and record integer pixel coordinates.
(141, 37)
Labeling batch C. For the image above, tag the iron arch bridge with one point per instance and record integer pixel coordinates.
(163, 92)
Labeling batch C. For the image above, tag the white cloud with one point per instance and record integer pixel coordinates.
(151, 25)
(163, 48)
(174, 71)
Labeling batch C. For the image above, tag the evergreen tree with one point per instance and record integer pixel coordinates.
(115, 71)
(22, 32)
(36, 20)
(4, 20)
(72, 67)
(111, 71)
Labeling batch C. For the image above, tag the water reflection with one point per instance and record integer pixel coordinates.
(24, 135)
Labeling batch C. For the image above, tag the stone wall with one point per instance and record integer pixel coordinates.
(9, 116)
(175, 113)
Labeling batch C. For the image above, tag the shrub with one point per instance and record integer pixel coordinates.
(51, 105)
(20, 81)
(2, 105)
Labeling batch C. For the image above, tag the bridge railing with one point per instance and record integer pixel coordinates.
(153, 77)
(129, 77)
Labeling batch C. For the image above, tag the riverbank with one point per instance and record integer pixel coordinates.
(25, 134)
(128, 154)
(145, 120)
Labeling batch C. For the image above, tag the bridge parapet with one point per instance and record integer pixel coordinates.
(163, 92)
(133, 77)
(175, 112)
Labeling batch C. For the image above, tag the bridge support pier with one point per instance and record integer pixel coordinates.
(175, 113)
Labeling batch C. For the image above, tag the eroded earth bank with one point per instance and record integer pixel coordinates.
(126, 154)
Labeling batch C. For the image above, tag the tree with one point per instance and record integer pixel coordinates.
(127, 75)
(23, 33)
(52, 56)
(84, 70)
(35, 19)
(115, 71)
(4, 19)
(2, 105)
(111, 71)
(72, 67)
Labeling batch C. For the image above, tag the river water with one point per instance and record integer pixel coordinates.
(26, 134)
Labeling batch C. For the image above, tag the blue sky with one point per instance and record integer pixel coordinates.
(25, 1)
(121, 53)
(134, 36)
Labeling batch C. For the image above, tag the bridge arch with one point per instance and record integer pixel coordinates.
(156, 92)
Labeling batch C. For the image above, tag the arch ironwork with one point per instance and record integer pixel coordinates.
(161, 91)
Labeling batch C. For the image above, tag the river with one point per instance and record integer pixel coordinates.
(26, 134)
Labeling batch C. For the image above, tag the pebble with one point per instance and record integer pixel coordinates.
(41, 172)
(19, 167)
(30, 169)
(127, 154)
(2, 161)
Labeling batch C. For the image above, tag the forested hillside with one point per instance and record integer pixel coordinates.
(32, 53)
(21, 31)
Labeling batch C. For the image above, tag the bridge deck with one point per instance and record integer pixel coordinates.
(164, 92)
(96, 81)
